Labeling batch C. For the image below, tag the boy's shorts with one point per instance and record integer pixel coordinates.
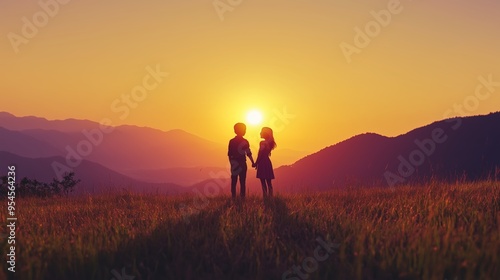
(238, 168)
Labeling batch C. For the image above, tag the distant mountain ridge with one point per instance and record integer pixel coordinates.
(94, 177)
(24, 145)
(126, 147)
(11, 122)
(460, 148)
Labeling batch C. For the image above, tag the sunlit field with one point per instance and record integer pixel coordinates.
(415, 232)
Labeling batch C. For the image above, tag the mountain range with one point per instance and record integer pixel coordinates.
(147, 159)
(95, 177)
(139, 153)
(465, 148)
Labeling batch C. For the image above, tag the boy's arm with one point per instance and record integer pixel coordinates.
(251, 159)
(249, 154)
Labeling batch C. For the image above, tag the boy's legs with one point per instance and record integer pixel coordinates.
(236, 170)
(243, 178)
(234, 179)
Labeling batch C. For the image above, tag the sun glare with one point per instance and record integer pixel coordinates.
(254, 117)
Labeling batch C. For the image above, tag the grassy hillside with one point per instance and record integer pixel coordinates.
(430, 232)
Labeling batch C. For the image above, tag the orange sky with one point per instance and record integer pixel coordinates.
(275, 56)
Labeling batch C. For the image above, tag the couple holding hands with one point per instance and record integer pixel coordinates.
(239, 150)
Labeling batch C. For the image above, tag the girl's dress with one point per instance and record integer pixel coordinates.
(264, 165)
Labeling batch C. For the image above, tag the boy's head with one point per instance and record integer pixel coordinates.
(240, 129)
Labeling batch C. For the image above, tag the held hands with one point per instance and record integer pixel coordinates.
(254, 165)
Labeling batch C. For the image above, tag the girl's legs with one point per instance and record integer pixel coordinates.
(264, 187)
(270, 187)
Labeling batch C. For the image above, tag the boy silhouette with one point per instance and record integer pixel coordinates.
(238, 150)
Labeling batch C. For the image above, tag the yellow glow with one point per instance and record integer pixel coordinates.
(289, 66)
(254, 117)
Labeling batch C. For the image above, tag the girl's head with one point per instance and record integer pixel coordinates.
(267, 134)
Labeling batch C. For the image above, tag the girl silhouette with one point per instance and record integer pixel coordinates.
(263, 163)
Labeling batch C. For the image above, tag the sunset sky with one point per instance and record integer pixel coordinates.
(283, 58)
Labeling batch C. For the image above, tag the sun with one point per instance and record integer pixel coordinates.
(254, 117)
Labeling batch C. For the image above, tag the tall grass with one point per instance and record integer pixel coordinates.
(427, 232)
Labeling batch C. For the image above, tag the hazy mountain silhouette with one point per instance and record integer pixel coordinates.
(283, 156)
(95, 177)
(125, 148)
(12, 122)
(179, 176)
(25, 145)
(468, 148)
